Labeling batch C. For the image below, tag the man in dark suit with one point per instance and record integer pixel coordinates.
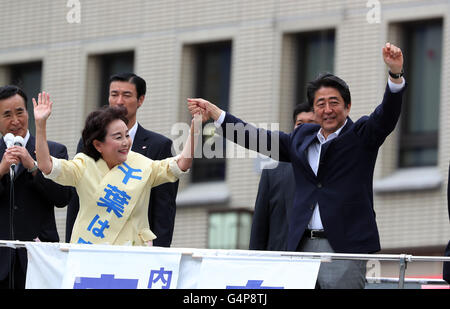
(129, 90)
(446, 268)
(333, 166)
(35, 197)
(275, 197)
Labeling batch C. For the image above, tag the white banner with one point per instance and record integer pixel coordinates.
(46, 265)
(76, 266)
(120, 268)
(257, 273)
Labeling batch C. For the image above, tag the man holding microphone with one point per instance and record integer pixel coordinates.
(27, 199)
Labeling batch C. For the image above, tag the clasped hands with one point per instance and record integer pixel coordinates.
(205, 108)
(15, 155)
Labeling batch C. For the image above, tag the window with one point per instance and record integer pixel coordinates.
(28, 76)
(420, 115)
(212, 82)
(229, 229)
(315, 51)
(111, 64)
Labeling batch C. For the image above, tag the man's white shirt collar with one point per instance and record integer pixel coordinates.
(335, 134)
(132, 131)
(27, 137)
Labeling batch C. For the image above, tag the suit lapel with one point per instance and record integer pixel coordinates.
(304, 153)
(2, 147)
(313, 139)
(347, 126)
(31, 146)
(326, 146)
(140, 144)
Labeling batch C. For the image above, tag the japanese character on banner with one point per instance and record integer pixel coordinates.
(128, 171)
(82, 241)
(162, 276)
(102, 225)
(115, 200)
(106, 281)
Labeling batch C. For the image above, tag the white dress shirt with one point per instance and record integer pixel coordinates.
(132, 132)
(313, 158)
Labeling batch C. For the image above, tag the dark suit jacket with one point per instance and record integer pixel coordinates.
(446, 268)
(273, 203)
(343, 185)
(162, 206)
(34, 199)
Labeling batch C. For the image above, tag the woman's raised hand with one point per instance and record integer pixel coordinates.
(43, 107)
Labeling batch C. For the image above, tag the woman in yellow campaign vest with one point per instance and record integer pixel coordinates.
(113, 183)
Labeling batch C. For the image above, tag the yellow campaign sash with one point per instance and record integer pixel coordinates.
(117, 194)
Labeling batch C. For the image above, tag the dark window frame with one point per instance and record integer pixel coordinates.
(212, 169)
(16, 78)
(410, 142)
(303, 40)
(108, 67)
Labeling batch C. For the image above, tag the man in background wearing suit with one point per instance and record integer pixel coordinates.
(129, 90)
(333, 164)
(275, 197)
(33, 216)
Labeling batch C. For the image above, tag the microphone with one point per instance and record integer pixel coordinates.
(9, 140)
(19, 141)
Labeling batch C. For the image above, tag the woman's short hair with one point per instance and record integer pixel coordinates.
(95, 127)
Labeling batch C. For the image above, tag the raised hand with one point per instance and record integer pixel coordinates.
(393, 57)
(42, 108)
(198, 106)
(205, 108)
(187, 155)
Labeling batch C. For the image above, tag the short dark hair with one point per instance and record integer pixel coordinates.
(95, 127)
(9, 91)
(138, 82)
(301, 108)
(328, 80)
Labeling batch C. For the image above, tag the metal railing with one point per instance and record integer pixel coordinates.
(402, 259)
(392, 280)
